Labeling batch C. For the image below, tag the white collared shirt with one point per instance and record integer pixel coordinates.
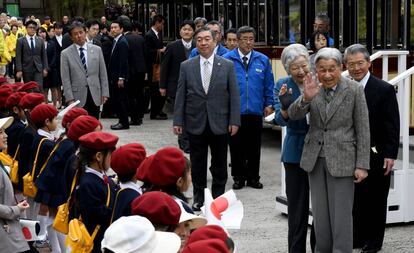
(131, 185)
(28, 40)
(48, 135)
(364, 80)
(95, 172)
(59, 39)
(215, 50)
(85, 52)
(155, 31)
(210, 65)
(186, 44)
(247, 55)
(88, 40)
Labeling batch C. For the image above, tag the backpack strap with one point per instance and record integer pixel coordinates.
(17, 151)
(108, 199)
(116, 200)
(37, 155)
(48, 158)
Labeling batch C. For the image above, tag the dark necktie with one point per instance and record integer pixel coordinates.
(32, 45)
(83, 59)
(329, 94)
(245, 63)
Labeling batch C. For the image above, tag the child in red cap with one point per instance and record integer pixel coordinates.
(95, 188)
(43, 119)
(27, 103)
(125, 161)
(169, 171)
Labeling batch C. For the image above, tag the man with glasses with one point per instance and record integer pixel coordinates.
(220, 50)
(255, 80)
(322, 25)
(31, 58)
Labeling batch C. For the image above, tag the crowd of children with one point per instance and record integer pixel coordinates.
(126, 200)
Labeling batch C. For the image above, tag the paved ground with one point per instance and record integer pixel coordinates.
(264, 229)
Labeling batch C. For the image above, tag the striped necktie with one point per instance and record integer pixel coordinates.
(83, 59)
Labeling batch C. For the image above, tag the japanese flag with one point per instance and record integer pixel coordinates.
(225, 211)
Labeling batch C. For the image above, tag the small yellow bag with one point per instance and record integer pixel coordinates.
(78, 238)
(29, 187)
(61, 222)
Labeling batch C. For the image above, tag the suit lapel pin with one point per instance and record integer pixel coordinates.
(219, 63)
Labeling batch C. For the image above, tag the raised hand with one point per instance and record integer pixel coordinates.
(285, 97)
(311, 87)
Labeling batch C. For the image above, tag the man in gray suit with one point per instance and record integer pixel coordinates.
(31, 58)
(336, 148)
(83, 72)
(207, 105)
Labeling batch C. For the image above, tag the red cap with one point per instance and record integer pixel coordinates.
(12, 86)
(163, 168)
(5, 92)
(82, 125)
(206, 246)
(14, 99)
(158, 207)
(126, 159)
(3, 80)
(208, 232)
(72, 114)
(99, 140)
(31, 100)
(29, 87)
(42, 112)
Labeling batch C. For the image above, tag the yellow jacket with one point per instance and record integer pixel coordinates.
(22, 30)
(11, 42)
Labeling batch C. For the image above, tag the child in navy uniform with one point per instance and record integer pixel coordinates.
(43, 117)
(169, 171)
(95, 188)
(16, 129)
(27, 103)
(125, 161)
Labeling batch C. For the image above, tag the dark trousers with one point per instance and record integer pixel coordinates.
(297, 192)
(245, 148)
(136, 96)
(157, 101)
(33, 76)
(370, 205)
(91, 107)
(121, 102)
(11, 66)
(198, 155)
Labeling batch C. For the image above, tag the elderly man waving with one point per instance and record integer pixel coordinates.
(336, 149)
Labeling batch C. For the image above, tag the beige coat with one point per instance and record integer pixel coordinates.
(13, 241)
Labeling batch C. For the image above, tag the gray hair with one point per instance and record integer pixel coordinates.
(205, 29)
(355, 49)
(324, 18)
(245, 29)
(328, 53)
(200, 19)
(291, 53)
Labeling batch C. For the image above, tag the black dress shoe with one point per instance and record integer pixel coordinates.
(137, 122)
(158, 117)
(162, 114)
(119, 126)
(238, 184)
(196, 207)
(255, 184)
(370, 249)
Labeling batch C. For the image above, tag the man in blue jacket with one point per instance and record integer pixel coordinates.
(255, 79)
(220, 49)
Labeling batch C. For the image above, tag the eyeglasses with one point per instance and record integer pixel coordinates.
(354, 65)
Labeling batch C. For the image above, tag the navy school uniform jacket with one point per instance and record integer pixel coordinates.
(123, 203)
(91, 197)
(26, 141)
(51, 180)
(14, 133)
(44, 152)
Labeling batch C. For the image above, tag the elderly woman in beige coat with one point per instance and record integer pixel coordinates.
(11, 236)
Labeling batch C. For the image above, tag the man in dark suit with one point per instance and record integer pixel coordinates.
(66, 39)
(58, 42)
(207, 104)
(118, 75)
(92, 30)
(137, 70)
(175, 53)
(155, 47)
(31, 58)
(370, 204)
